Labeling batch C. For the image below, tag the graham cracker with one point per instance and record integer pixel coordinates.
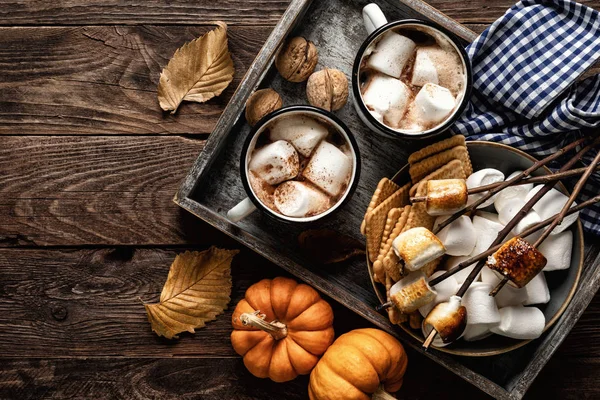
(452, 170)
(385, 188)
(438, 147)
(422, 168)
(387, 258)
(418, 213)
(415, 320)
(376, 219)
(378, 272)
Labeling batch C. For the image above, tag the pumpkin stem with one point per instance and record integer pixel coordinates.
(257, 320)
(381, 394)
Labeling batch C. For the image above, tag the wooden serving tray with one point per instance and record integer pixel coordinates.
(213, 186)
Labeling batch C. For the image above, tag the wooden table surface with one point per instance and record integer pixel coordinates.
(88, 167)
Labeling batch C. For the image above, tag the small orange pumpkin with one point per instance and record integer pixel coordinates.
(360, 363)
(281, 328)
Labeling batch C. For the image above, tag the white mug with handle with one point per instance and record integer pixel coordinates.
(252, 203)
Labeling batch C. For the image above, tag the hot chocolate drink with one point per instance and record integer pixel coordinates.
(300, 167)
(412, 79)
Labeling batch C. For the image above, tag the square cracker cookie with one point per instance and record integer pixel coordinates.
(376, 219)
(438, 147)
(386, 252)
(421, 169)
(452, 170)
(385, 188)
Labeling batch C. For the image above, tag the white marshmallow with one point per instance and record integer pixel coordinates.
(329, 169)
(557, 250)
(530, 219)
(537, 290)
(488, 215)
(462, 275)
(487, 231)
(303, 132)
(476, 332)
(459, 237)
(508, 296)
(511, 208)
(424, 70)
(483, 177)
(387, 98)
(432, 104)
(275, 162)
(391, 53)
(296, 199)
(481, 307)
(510, 192)
(551, 204)
(520, 322)
(445, 289)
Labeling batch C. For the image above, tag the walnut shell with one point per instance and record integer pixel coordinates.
(327, 89)
(261, 103)
(297, 60)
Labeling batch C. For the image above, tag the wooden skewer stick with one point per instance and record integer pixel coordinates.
(535, 179)
(558, 219)
(525, 233)
(517, 218)
(516, 178)
(429, 339)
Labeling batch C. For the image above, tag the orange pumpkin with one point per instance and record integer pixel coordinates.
(281, 328)
(357, 365)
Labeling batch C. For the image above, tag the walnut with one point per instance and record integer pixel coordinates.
(297, 60)
(327, 89)
(261, 103)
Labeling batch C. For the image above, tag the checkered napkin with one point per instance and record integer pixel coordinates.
(525, 89)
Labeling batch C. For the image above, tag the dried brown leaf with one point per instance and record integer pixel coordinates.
(198, 71)
(196, 291)
(327, 246)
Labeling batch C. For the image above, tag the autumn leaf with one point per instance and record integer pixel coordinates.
(196, 291)
(198, 71)
(327, 246)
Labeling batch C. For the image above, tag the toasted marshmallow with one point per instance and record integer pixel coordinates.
(432, 104)
(520, 322)
(303, 132)
(275, 162)
(481, 307)
(444, 290)
(449, 319)
(557, 250)
(387, 98)
(329, 169)
(517, 260)
(411, 292)
(446, 196)
(417, 247)
(537, 290)
(551, 204)
(297, 199)
(483, 177)
(391, 53)
(459, 238)
(518, 191)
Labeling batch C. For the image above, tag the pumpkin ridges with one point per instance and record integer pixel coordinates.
(302, 360)
(258, 296)
(303, 297)
(372, 350)
(258, 358)
(316, 317)
(281, 368)
(394, 377)
(326, 384)
(281, 293)
(313, 342)
(243, 341)
(354, 366)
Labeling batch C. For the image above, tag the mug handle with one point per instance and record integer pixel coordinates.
(373, 17)
(241, 210)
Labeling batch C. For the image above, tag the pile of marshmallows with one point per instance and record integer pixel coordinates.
(506, 314)
(389, 98)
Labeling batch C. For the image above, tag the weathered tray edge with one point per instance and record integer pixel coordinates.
(213, 146)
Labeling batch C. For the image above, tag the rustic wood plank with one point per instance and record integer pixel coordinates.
(82, 190)
(102, 79)
(257, 12)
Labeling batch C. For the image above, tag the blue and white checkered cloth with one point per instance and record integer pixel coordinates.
(526, 91)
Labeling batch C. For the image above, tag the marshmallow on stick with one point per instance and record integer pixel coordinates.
(518, 261)
(416, 247)
(444, 290)
(411, 293)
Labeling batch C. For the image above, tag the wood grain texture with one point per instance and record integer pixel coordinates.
(103, 79)
(75, 190)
